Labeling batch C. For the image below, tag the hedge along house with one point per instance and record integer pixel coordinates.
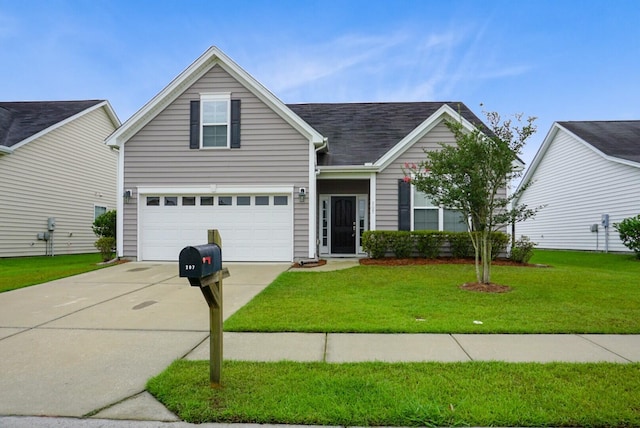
(215, 149)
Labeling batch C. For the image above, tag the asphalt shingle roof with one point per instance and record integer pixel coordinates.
(619, 139)
(363, 132)
(20, 120)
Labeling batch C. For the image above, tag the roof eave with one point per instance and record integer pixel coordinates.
(103, 104)
(555, 128)
(444, 111)
(346, 171)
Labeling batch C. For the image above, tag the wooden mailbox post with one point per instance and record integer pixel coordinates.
(196, 263)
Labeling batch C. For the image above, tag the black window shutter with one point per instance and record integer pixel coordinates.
(404, 205)
(194, 125)
(235, 124)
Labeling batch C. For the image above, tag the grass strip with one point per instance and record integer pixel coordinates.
(18, 272)
(408, 394)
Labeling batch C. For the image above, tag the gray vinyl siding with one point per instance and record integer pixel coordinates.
(271, 153)
(62, 174)
(387, 180)
(578, 185)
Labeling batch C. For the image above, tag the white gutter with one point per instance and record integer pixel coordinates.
(348, 168)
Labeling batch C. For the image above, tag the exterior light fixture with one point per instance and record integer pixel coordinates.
(302, 194)
(127, 195)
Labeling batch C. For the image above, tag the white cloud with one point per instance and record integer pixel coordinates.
(405, 65)
(302, 66)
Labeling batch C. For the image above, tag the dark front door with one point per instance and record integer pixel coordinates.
(343, 224)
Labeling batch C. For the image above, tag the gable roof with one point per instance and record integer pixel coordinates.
(619, 139)
(22, 121)
(211, 58)
(361, 133)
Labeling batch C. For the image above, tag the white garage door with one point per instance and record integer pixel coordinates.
(252, 227)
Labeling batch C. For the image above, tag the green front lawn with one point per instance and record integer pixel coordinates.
(582, 292)
(414, 394)
(579, 293)
(18, 272)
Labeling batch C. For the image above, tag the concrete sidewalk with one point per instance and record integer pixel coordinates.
(343, 348)
(82, 348)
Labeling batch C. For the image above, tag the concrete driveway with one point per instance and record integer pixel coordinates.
(76, 346)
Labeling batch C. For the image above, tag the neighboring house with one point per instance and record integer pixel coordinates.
(216, 149)
(582, 171)
(54, 165)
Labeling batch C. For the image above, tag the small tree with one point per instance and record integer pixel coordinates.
(105, 224)
(472, 177)
(105, 227)
(629, 230)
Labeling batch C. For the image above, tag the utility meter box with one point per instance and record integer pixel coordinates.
(200, 261)
(51, 224)
(594, 227)
(605, 220)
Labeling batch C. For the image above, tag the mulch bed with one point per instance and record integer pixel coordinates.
(393, 261)
(485, 288)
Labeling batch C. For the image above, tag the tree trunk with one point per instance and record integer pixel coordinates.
(478, 269)
(477, 246)
(486, 257)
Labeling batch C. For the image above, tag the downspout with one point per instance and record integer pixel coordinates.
(313, 197)
(120, 202)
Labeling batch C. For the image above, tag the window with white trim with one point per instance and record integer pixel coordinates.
(428, 216)
(215, 117)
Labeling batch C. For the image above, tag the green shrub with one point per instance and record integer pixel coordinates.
(499, 241)
(105, 224)
(429, 243)
(426, 243)
(629, 230)
(522, 250)
(106, 246)
(461, 245)
(374, 243)
(401, 243)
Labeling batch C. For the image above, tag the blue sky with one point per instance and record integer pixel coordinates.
(556, 60)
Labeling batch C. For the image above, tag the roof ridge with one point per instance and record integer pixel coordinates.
(376, 102)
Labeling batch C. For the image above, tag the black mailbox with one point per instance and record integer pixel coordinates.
(200, 261)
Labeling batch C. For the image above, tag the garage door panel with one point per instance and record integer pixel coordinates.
(249, 232)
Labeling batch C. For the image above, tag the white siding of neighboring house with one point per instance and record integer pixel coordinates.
(62, 174)
(272, 153)
(387, 180)
(578, 185)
